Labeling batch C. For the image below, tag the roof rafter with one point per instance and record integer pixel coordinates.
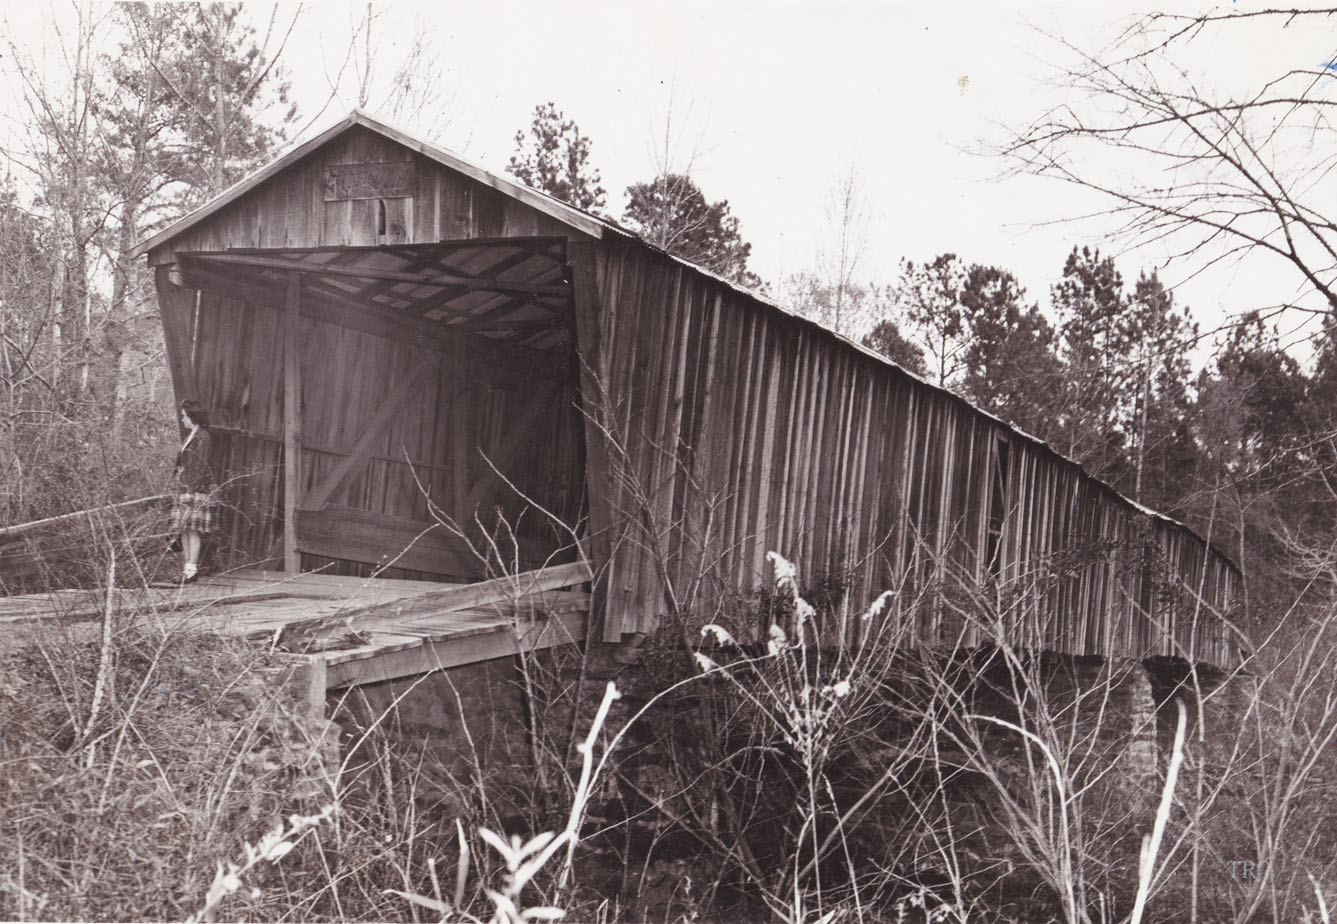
(333, 269)
(323, 305)
(417, 261)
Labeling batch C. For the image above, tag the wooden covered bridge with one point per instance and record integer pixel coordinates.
(390, 339)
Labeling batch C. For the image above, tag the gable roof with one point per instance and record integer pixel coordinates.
(554, 208)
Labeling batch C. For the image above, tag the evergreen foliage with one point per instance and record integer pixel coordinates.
(1011, 368)
(888, 340)
(672, 213)
(554, 157)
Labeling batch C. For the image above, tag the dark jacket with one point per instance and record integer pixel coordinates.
(194, 470)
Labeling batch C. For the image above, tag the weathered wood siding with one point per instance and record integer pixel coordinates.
(434, 447)
(739, 429)
(735, 429)
(291, 209)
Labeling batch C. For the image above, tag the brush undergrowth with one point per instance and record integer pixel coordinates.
(119, 803)
(147, 772)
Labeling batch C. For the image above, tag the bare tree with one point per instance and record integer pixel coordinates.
(414, 93)
(847, 212)
(57, 93)
(831, 292)
(121, 116)
(1216, 172)
(670, 210)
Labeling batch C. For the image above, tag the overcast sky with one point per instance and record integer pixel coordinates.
(772, 103)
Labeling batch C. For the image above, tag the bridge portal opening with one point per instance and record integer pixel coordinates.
(407, 411)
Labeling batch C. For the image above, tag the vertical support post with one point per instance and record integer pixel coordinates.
(461, 433)
(315, 685)
(176, 306)
(598, 468)
(292, 421)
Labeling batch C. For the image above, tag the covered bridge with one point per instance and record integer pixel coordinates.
(389, 337)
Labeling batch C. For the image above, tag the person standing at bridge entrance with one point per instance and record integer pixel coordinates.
(193, 511)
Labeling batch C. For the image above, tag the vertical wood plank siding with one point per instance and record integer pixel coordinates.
(440, 437)
(742, 430)
(290, 209)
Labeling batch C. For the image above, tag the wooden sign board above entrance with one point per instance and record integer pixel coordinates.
(368, 181)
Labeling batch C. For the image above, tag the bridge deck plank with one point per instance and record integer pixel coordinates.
(359, 630)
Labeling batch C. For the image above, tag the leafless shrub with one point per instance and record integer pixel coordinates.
(134, 760)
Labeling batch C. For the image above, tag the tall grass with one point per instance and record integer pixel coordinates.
(147, 772)
(131, 772)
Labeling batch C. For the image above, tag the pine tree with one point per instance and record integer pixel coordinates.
(1090, 304)
(230, 98)
(888, 340)
(671, 212)
(1161, 446)
(554, 157)
(1256, 471)
(1011, 368)
(928, 304)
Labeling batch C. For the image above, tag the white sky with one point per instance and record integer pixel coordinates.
(776, 101)
(773, 101)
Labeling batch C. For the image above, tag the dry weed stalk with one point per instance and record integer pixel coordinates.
(524, 859)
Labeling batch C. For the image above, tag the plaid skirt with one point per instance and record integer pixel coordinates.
(196, 512)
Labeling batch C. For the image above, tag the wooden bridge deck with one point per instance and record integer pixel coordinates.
(350, 630)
